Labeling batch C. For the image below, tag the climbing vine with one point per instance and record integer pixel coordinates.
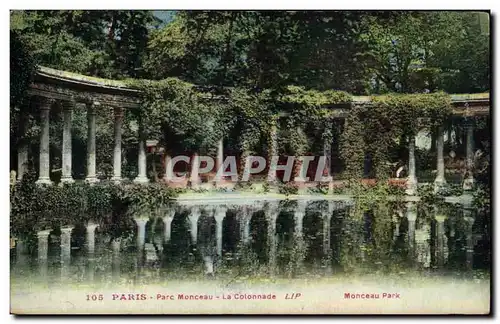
(371, 130)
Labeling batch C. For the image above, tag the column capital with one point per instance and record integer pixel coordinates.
(91, 106)
(44, 233)
(46, 103)
(67, 229)
(68, 104)
(440, 218)
(118, 111)
(470, 220)
(91, 227)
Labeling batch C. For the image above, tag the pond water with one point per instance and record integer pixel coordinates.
(283, 239)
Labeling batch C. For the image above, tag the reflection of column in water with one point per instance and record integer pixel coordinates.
(91, 239)
(21, 251)
(193, 218)
(141, 238)
(219, 215)
(327, 250)
(43, 249)
(116, 246)
(469, 248)
(167, 222)
(440, 239)
(411, 216)
(298, 218)
(65, 252)
(272, 215)
(91, 269)
(245, 219)
(422, 245)
(396, 219)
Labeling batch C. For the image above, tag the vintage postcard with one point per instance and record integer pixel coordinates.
(250, 162)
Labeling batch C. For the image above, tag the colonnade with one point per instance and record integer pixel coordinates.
(45, 106)
(440, 180)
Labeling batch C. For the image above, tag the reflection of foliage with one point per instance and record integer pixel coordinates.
(294, 253)
(36, 207)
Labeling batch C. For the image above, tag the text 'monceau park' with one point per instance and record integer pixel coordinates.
(254, 149)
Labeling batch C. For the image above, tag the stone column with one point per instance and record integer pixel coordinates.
(167, 221)
(91, 146)
(65, 251)
(194, 176)
(440, 178)
(117, 151)
(469, 247)
(66, 142)
(220, 154)
(440, 239)
(193, 218)
(273, 150)
(22, 147)
(91, 238)
(412, 183)
(44, 172)
(411, 215)
(43, 250)
(142, 175)
(327, 151)
(219, 214)
(469, 179)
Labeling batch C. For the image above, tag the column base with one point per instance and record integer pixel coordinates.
(91, 180)
(411, 187)
(194, 184)
(67, 180)
(468, 184)
(116, 179)
(439, 183)
(141, 179)
(43, 181)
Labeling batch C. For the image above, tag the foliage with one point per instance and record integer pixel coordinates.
(393, 118)
(427, 51)
(35, 207)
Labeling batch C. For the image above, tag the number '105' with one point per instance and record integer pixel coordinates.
(95, 297)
